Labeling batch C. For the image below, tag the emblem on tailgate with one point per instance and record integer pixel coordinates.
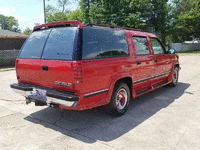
(63, 84)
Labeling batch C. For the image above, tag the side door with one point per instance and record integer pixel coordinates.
(163, 62)
(144, 70)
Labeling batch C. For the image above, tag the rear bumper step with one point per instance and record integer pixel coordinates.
(48, 96)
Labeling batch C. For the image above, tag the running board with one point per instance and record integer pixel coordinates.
(159, 84)
(143, 91)
(155, 86)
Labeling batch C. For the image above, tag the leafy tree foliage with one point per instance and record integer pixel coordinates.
(53, 14)
(175, 21)
(63, 3)
(186, 20)
(75, 15)
(131, 13)
(27, 31)
(160, 17)
(9, 23)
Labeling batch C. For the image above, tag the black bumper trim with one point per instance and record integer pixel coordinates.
(21, 86)
(53, 93)
(62, 96)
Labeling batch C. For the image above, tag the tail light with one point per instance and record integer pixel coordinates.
(16, 63)
(77, 72)
(16, 67)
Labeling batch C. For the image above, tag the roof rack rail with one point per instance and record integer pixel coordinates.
(104, 25)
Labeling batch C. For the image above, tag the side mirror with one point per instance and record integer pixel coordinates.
(171, 51)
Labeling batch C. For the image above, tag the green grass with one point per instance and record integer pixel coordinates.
(194, 52)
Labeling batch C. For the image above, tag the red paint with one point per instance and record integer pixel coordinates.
(80, 25)
(88, 76)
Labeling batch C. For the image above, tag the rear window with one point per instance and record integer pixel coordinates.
(34, 45)
(104, 43)
(55, 43)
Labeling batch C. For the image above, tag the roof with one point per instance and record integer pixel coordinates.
(11, 34)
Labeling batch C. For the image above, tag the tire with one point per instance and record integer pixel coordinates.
(175, 76)
(119, 100)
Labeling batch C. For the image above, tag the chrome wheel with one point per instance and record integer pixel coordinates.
(121, 99)
(175, 75)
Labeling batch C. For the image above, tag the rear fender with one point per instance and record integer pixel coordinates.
(114, 79)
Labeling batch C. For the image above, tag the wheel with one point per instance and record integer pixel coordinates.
(119, 100)
(174, 77)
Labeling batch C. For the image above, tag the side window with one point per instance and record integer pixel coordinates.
(141, 45)
(157, 46)
(104, 43)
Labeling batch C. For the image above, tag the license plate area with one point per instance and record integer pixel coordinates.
(39, 92)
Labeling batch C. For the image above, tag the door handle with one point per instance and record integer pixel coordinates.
(156, 60)
(45, 68)
(138, 62)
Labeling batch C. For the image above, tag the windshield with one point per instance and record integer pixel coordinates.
(55, 43)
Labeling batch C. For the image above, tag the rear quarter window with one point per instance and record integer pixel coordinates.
(104, 43)
(141, 45)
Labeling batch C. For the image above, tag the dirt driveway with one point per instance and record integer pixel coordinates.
(168, 119)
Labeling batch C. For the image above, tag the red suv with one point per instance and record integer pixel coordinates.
(74, 66)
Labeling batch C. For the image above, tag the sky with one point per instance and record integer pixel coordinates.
(28, 12)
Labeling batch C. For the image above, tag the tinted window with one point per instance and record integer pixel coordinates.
(141, 45)
(157, 46)
(34, 45)
(103, 43)
(60, 44)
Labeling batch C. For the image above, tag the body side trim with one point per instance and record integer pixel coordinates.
(156, 76)
(95, 93)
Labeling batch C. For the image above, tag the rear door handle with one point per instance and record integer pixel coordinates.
(156, 60)
(138, 62)
(45, 68)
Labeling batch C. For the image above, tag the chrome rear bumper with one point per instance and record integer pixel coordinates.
(51, 96)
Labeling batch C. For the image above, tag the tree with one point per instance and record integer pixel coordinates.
(186, 21)
(62, 4)
(132, 13)
(53, 14)
(75, 15)
(27, 31)
(9, 23)
(160, 17)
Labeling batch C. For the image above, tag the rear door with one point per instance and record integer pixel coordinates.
(144, 71)
(46, 58)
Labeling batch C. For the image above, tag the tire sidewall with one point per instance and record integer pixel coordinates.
(119, 86)
(175, 69)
